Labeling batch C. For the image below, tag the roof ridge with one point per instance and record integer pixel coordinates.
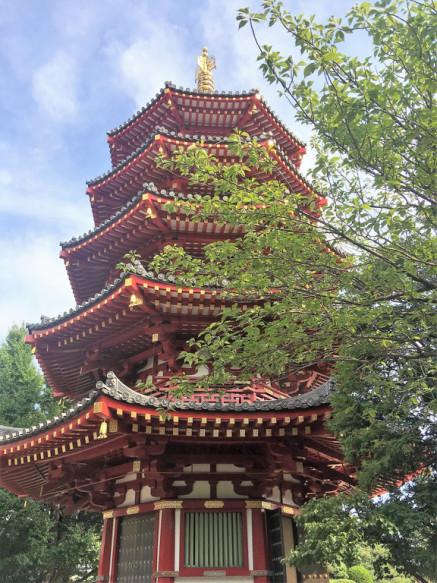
(191, 92)
(22, 432)
(115, 388)
(134, 270)
(46, 322)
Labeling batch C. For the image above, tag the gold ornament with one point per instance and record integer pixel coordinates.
(205, 66)
(103, 431)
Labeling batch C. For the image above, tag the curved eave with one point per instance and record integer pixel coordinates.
(118, 328)
(123, 285)
(114, 389)
(12, 434)
(169, 88)
(143, 224)
(125, 180)
(250, 110)
(151, 194)
(26, 459)
(178, 139)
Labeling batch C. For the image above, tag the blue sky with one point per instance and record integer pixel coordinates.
(72, 69)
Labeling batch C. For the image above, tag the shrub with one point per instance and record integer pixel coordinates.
(360, 574)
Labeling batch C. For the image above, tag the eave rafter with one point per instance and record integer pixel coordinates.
(121, 329)
(67, 457)
(154, 289)
(172, 106)
(110, 191)
(144, 225)
(205, 112)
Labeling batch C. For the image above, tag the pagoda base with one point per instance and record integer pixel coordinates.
(192, 540)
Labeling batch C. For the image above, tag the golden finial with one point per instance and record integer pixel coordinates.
(205, 66)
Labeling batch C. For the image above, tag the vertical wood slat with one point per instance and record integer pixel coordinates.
(213, 539)
(216, 555)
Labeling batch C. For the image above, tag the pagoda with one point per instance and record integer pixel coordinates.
(208, 490)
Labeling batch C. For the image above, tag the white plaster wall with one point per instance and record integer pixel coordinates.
(275, 496)
(130, 498)
(146, 496)
(149, 364)
(127, 478)
(226, 490)
(201, 490)
(289, 478)
(197, 468)
(287, 498)
(202, 371)
(229, 469)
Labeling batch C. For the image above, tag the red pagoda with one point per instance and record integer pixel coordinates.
(207, 491)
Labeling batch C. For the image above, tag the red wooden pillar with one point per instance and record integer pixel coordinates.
(260, 554)
(105, 550)
(166, 546)
(113, 554)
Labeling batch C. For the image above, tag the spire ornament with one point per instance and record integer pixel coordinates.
(205, 66)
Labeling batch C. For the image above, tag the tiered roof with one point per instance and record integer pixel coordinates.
(116, 187)
(143, 224)
(184, 110)
(116, 354)
(120, 326)
(136, 324)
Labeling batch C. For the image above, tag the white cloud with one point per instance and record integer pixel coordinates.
(44, 194)
(38, 208)
(54, 87)
(33, 281)
(145, 64)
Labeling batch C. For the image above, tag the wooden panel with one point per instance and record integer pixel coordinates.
(213, 539)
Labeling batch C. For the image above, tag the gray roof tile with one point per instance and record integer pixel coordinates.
(116, 389)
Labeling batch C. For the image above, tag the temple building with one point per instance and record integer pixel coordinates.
(207, 490)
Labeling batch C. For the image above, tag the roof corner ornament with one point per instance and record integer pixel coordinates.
(103, 431)
(205, 66)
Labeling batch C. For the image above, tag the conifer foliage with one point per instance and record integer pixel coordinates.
(38, 544)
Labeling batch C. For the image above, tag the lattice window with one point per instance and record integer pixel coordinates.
(281, 539)
(213, 539)
(276, 543)
(135, 549)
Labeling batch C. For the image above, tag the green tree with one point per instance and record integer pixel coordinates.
(367, 309)
(24, 397)
(38, 544)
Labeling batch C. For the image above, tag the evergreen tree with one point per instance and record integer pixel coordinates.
(25, 399)
(37, 543)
